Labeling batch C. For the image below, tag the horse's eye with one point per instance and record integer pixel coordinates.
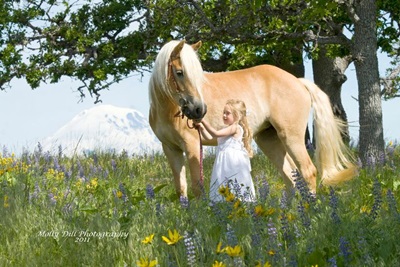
(179, 73)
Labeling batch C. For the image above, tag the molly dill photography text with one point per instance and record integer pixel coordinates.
(82, 235)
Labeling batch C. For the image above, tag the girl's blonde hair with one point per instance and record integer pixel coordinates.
(239, 112)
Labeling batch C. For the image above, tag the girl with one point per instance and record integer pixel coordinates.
(232, 163)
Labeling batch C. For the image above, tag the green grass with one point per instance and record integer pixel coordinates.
(96, 210)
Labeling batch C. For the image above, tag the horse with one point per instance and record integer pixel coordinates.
(279, 106)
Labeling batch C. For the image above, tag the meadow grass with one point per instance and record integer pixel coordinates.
(105, 209)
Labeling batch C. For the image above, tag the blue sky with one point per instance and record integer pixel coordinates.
(28, 116)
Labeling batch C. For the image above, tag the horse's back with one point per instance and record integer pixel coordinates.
(271, 94)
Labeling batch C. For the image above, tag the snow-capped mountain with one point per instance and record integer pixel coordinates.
(105, 128)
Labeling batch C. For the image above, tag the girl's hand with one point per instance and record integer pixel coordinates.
(198, 125)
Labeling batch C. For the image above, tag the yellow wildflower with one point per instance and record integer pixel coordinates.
(364, 209)
(78, 183)
(270, 211)
(259, 210)
(237, 204)
(6, 204)
(238, 213)
(230, 197)
(291, 217)
(119, 194)
(94, 182)
(148, 239)
(259, 264)
(50, 173)
(235, 251)
(271, 252)
(173, 237)
(146, 263)
(223, 190)
(218, 264)
(219, 249)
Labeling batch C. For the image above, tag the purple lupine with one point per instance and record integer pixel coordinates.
(39, 148)
(184, 202)
(47, 157)
(264, 190)
(231, 236)
(382, 158)
(113, 165)
(36, 192)
(310, 146)
(5, 152)
(363, 248)
(150, 192)
(285, 228)
(219, 213)
(190, 249)
(287, 235)
(333, 203)
(273, 240)
(56, 164)
(390, 149)
(52, 198)
(303, 216)
(60, 151)
(67, 173)
(284, 200)
(271, 230)
(302, 187)
(332, 262)
(92, 170)
(376, 191)
(95, 158)
(123, 191)
(344, 249)
(236, 188)
(256, 244)
(392, 204)
(80, 169)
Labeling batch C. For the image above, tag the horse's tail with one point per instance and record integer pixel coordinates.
(333, 157)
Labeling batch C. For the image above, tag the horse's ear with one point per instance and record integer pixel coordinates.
(177, 50)
(197, 45)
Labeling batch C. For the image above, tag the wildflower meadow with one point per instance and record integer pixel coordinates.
(107, 209)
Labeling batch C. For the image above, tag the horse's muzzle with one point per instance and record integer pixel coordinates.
(192, 108)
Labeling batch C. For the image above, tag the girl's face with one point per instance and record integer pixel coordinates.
(228, 116)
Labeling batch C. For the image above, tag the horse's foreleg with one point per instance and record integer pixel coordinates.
(177, 164)
(193, 157)
(270, 144)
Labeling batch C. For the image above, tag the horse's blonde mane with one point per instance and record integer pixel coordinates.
(192, 70)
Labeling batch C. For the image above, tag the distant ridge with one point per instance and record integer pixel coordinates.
(105, 128)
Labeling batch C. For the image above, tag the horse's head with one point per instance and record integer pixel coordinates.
(185, 79)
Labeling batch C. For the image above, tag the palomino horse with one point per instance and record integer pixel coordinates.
(279, 105)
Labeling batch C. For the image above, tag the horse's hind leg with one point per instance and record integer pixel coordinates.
(270, 144)
(177, 164)
(296, 148)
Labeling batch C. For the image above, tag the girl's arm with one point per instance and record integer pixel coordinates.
(227, 131)
(204, 133)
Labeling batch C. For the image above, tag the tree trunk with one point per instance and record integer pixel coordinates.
(371, 142)
(329, 76)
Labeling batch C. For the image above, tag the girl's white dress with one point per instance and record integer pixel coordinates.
(232, 167)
